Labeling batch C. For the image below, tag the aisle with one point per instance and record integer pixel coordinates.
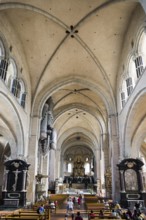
(60, 213)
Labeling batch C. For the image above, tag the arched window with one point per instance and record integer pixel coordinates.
(16, 88)
(140, 60)
(123, 99)
(123, 92)
(87, 168)
(22, 97)
(3, 62)
(69, 167)
(132, 70)
(142, 46)
(23, 100)
(11, 73)
(2, 50)
(129, 85)
(139, 66)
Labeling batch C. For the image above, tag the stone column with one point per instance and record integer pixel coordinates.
(140, 181)
(5, 180)
(98, 171)
(105, 148)
(52, 164)
(59, 165)
(33, 157)
(24, 181)
(122, 181)
(45, 172)
(97, 175)
(114, 155)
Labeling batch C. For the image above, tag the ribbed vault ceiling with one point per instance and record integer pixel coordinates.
(72, 39)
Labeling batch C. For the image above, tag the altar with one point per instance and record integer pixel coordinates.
(78, 170)
(79, 177)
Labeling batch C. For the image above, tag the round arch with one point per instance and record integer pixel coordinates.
(136, 112)
(55, 86)
(86, 133)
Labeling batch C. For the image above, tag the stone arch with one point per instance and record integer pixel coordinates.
(80, 130)
(55, 86)
(19, 137)
(5, 44)
(100, 119)
(64, 144)
(136, 112)
(138, 138)
(8, 136)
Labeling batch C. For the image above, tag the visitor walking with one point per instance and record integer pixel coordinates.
(79, 202)
(70, 205)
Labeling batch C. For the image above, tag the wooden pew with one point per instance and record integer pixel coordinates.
(20, 217)
(95, 206)
(25, 212)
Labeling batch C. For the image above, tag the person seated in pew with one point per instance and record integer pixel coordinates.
(101, 214)
(52, 206)
(117, 208)
(41, 211)
(78, 216)
(91, 215)
(114, 214)
(106, 205)
(129, 214)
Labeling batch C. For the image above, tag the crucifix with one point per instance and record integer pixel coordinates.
(16, 179)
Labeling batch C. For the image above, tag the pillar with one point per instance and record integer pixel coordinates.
(52, 164)
(32, 157)
(105, 148)
(45, 171)
(140, 177)
(5, 180)
(24, 181)
(59, 166)
(97, 175)
(114, 155)
(122, 180)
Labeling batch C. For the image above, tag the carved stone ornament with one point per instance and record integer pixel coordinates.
(16, 164)
(40, 176)
(130, 164)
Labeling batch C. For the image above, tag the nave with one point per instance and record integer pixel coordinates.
(62, 211)
(72, 99)
(89, 207)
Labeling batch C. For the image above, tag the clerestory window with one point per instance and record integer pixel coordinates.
(123, 99)
(3, 62)
(16, 88)
(129, 85)
(139, 66)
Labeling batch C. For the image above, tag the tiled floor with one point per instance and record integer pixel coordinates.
(61, 212)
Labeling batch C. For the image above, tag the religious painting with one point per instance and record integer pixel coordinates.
(131, 180)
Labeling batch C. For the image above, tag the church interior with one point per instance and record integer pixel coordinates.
(72, 99)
